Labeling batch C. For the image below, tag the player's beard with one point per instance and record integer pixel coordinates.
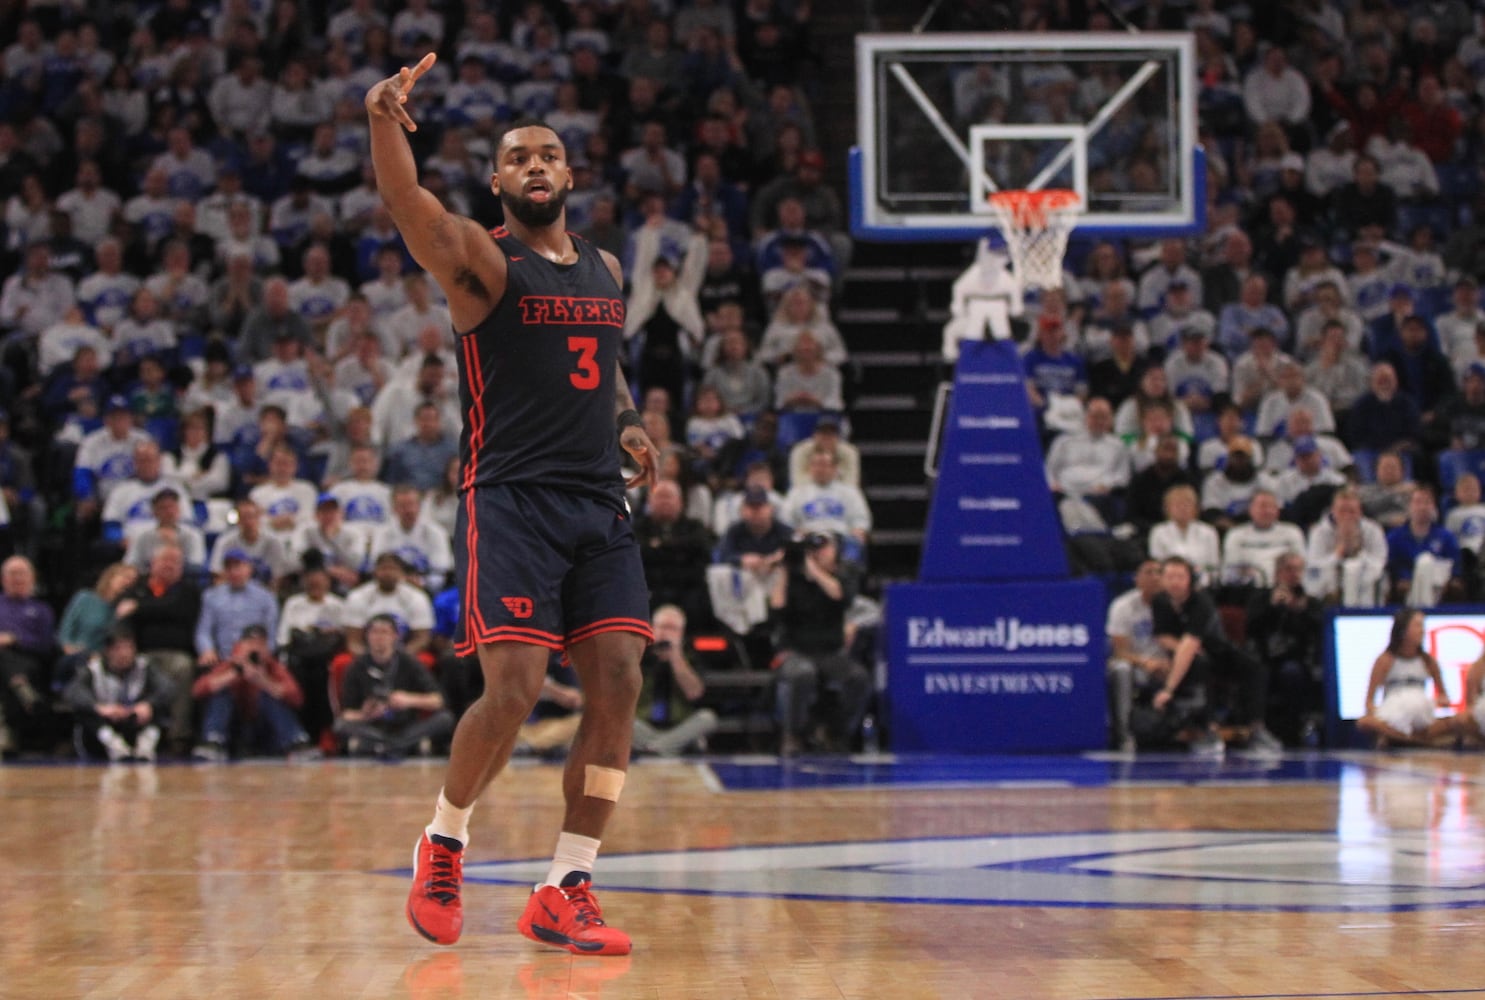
(534, 214)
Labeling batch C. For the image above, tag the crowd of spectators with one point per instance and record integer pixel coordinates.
(229, 397)
(1289, 406)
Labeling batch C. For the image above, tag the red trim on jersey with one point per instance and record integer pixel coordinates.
(474, 377)
(637, 625)
(533, 633)
(474, 618)
(470, 646)
(499, 231)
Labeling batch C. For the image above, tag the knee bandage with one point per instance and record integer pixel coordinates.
(603, 782)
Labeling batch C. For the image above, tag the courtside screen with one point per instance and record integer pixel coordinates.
(1355, 640)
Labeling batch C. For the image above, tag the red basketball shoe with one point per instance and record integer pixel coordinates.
(433, 906)
(569, 917)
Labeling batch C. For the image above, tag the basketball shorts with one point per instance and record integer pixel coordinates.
(545, 566)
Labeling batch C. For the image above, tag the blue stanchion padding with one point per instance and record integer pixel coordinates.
(997, 668)
(992, 516)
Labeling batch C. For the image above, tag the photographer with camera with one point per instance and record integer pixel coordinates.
(810, 599)
(390, 703)
(250, 684)
(667, 720)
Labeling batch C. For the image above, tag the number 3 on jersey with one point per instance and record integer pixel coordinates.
(586, 376)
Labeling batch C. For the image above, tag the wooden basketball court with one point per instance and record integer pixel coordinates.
(1320, 876)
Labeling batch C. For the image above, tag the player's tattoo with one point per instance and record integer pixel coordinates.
(442, 233)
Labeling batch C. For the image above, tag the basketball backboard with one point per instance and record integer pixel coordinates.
(944, 120)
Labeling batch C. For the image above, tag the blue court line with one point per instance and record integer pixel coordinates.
(1012, 771)
(1008, 902)
(1312, 996)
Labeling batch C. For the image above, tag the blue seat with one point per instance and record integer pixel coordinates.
(1435, 215)
(312, 467)
(1431, 303)
(795, 426)
(1458, 182)
(1453, 464)
(1365, 461)
(191, 346)
(165, 431)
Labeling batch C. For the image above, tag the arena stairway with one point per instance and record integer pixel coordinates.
(891, 315)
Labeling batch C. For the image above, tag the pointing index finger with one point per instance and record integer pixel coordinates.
(423, 66)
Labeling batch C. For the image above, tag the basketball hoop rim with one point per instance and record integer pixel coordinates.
(1032, 208)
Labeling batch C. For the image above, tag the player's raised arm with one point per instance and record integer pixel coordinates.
(438, 240)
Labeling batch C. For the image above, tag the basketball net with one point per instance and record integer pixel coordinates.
(1035, 226)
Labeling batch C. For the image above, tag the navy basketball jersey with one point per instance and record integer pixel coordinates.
(537, 377)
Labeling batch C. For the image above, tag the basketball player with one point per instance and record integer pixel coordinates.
(545, 555)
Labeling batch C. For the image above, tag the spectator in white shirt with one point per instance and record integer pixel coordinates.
(128, 504)
(197, 462)
(212, 212)
(364, 499)
(290, 216)
(240, 102)
(106, 293)
(1300, 423)
(59, 342)
(403, 326)
(474, 99)
(1328, 306)
(35, 297)
(1466, 519)
(350, 26)
(1195, 373)
(1136, 658)
(1225, 491)
(389, 592)
(318, 295)
(166, 527)
(92, 206)
(1170, 268)
(1334, 164)
(343, 548)
(1091, 464)
(1406, 169)
(423, 548)
(1347, 555)
(152, 211)
(1276, 92)
(416, 29)
(1311, 469)
(189, 172)
(433, 341)
(402, 396)
(1250, 551)
(823, 503)
(807, 382)
(1183, 534)
(316, 609)
(287, 502)
(297, 105)
(387, 292)
(799, 311)
(1291, 392)
(653, 166)
(1313, 270)
(1459, 327)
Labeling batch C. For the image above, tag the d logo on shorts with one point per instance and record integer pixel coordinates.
(519, 607)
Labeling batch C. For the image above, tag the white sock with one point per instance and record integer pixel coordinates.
(575, 853)
(450, 821)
